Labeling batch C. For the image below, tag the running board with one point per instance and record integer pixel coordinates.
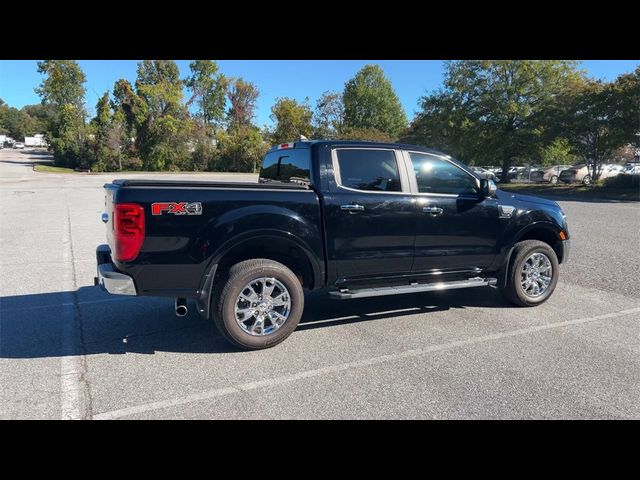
(346, 294)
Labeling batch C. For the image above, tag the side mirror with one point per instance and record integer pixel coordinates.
(487, 187)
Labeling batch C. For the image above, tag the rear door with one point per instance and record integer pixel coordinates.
(370, 215)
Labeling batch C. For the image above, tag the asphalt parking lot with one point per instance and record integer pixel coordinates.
(69, 350)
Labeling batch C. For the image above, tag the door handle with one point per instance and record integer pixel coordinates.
(433, 210)
(352, 208)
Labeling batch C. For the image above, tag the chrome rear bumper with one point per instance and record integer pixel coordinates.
(108, 278)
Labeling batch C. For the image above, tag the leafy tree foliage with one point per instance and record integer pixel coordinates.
(558, 152)
(242, 97)
(598, 120)
(63, 83)
(292, 120)
(492, 110)
(208, 88)
(240, 149)
(371, 103)
(63, 89)
(328, 118)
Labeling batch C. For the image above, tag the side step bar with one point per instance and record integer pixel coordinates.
(413, 288)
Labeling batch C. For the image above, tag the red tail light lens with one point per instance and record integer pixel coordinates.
(128, 230)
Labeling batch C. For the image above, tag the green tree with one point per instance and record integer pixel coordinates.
(44, 117)
(366, 134)
(492, 110)
(240, 150)
(163, 129)
(593, 116)
(292, 119)
(18, 124)
(328, 117)
(68, 145)
(558, 152)
(371, 103)
(63, 89)
(208, 88)
(626, 98)
(242, 98)
(63, 83)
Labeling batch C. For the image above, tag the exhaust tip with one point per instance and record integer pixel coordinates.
(181, 307)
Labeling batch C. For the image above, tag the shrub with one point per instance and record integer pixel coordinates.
(622, 181)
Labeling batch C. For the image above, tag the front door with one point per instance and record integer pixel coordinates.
(370, 214)
(456, 230)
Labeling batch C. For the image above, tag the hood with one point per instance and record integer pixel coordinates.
(502, 195)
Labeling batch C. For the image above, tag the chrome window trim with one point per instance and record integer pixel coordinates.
(414, 182)
(402, 172)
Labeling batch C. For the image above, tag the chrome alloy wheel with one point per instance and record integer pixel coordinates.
(263, 306)
(536, 274)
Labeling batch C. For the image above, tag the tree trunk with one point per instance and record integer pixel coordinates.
(506, 163)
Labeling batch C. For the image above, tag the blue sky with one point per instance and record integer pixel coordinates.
(275, 78)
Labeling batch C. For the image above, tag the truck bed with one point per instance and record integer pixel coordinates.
(208, 184)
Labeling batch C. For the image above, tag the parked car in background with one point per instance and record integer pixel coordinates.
(611, 170)
(631, 169)
(18, 145)
(483, 172)
(548, 174)
(576, 174)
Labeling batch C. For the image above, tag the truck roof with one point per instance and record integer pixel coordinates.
(359, 143)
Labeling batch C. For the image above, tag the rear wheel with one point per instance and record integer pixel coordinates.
(532, 275)
(587, 180)
(259, 305)
(554, 180)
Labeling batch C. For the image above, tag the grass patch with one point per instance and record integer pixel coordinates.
(49, 168)
(577, 191)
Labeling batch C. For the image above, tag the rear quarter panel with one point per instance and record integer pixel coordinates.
(179, 249)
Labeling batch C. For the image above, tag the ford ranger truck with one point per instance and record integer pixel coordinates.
(357, 219)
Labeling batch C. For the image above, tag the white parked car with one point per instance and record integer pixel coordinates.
(631, 169)
(610, 170)
(18, 145)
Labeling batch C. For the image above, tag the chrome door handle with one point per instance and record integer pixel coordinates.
(433, 210)
(352, 208)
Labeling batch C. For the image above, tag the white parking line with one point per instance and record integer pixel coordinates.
(220, 392)
(73, 397)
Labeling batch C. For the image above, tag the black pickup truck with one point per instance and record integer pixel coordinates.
(358, 219)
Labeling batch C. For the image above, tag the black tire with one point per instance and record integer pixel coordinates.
(226, 293)
(586, 180)
(513, 290)
(553, 180)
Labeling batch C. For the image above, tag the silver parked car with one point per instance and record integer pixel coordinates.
(548, 174)
(576, 174)
(483, 172)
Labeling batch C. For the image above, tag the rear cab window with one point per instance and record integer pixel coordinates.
(368, 169)
(287, 166)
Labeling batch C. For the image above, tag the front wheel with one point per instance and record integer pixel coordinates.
(259, 305)
(586, 180)
(553, 180)
(532, 275)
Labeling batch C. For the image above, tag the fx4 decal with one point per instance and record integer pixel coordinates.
(176, 208)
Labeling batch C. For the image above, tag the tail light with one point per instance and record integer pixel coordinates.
(128, 230)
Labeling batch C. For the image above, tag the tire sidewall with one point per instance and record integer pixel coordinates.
(516, 268)
(227, 308)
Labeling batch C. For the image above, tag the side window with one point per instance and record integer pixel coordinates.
(375, 170)
(435, 175)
